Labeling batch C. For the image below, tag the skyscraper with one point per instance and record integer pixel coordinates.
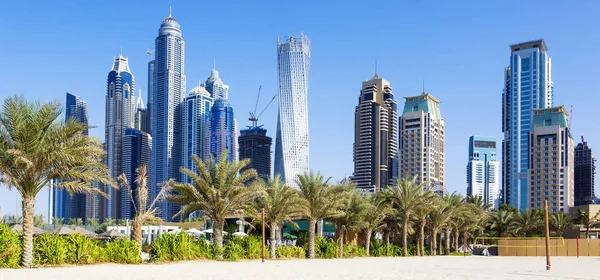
(422, 142)
(151, 89)
(255, 145)
(483, 170)
(375, 136)
(141, 115)
(62, 204)
(196, 115)
(215, 86)
(168, 93)
(137, 151)
(551, 169)
(291, 143)
(222, 130)
(528, 86)
(120, 111)
(585, 173)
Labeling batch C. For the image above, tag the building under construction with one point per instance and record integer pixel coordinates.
(256, 145)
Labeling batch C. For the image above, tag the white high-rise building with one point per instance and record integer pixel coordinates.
(483, 170)
(291, 144)
(167, 99)
(195, 127)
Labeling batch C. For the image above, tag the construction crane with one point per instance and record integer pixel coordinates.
(253, 117)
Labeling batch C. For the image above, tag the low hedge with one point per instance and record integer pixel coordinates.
(290, 252)
(10, 248)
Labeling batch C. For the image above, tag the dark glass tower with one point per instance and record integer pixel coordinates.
(585, 170)
(256, 145)
(222, 130)
(137, 151)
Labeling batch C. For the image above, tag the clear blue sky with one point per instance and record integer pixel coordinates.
(460, 48)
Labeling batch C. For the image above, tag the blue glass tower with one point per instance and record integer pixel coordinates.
(195, 127)
(120, 114)
(137, 151)
(222, 130)
(62, 204)
(168, 94)
(483, 170)
(528, 86)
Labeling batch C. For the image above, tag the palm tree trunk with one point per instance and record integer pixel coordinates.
(272, 237)
(447, 241)
(311, 238)
(456, 237)
(433, 242)
(405, 236)
(28, 211)
(440, 247)
(136, 233)
(368, 243)
(341, 241)
(422, 237)
(587, 232)
(387, 243)
(218, 232)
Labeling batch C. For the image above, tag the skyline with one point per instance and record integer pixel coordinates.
(444, 51)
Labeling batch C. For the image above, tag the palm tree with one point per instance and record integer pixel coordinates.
(559, 222)
(587, 221)
(500, 221)
(374, 216)
(421, 214)
(353, 209)
(405, 197)
(281, 205)
(479, 202)
(91, 221)
(110, 222)
(36, 148)
(38, 220)
(13, 219)
(219, 188)
(58, 221)
(319, 201)
(527, 223)
(455, 203)
(143, 212)
(75, 221)
(437, 220)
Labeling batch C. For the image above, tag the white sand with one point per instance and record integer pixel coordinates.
(477, 267)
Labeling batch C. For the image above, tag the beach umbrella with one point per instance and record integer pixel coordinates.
(210, 231)
(86, 232)
(239, 234)
(114, 234)
(63, 230)
(193, 231)
(19, 228)
(287, 235)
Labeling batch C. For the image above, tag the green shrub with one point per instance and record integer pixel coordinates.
(325, 248)
(290, 252)
(252, 246)
(123, 251)
(378, 249)
(82, 250)
(177, 247)
(353, 251)
(234, 249)
(49, 249)
(10, 248)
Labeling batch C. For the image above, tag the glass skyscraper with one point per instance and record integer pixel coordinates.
(120, 112)
(222, 130)
(215, 86)
(528, 86)
(168, 93)
(137, 150)
(196, 114)
(62, 205)
(291, 143)
(483, 170)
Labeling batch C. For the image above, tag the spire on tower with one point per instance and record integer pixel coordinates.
(214, 64)
(169, 11)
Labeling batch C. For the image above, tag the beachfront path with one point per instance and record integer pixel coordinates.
(445, 267)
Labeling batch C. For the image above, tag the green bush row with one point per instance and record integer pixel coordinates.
(10, 248)
(290, 252)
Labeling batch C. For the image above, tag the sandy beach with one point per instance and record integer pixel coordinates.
(445, 267)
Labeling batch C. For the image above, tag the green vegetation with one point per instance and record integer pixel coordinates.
(10, 248)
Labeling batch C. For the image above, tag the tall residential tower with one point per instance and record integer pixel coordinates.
(422, 142)
(375, 136)
(528, 86)
(196, 115)
(585, 173)
(291, 143)
(483, 170)
(168, 93)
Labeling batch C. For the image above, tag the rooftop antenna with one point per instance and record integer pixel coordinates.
(375, 66)
(423, 85)
(214, 64)
(121, 51)
(169, 11)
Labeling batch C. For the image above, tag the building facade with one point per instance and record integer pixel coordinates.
(141, 115)
(422, 142)
(215, 86)
(63, 205)
(375, 136)
(254, 144)
(528, 86)
(222, 130)
(120, 112)
(196, 115)
(291, 142)
(483, 170)
(585, 173)
(168, 93)
(552, 167)
(137, 151)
